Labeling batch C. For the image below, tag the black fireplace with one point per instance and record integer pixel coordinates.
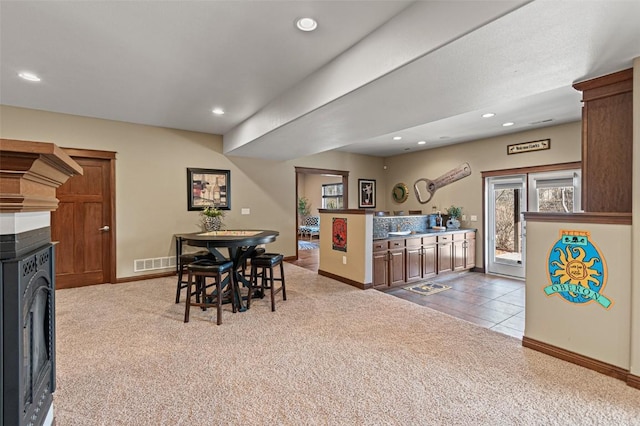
(27, 329)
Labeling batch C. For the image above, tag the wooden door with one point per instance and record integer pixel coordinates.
(470, 250)
(459, 255)
(380, 269)
(414, 259)
(429, 261)
(83, 225)
(396, 267)
(445, 253)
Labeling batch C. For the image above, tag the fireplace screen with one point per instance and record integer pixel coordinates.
(28, 337)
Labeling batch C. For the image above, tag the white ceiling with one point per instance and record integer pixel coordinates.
(424, 70)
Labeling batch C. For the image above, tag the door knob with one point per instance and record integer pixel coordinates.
(104, 228)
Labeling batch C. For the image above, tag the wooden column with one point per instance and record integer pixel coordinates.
(607, 142)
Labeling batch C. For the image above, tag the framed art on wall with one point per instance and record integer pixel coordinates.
(366, 193)
(208, 187)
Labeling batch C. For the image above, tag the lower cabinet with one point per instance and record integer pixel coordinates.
(445, 253)
(388, 263)
(421, 258)
(464, 251)
(400, 261)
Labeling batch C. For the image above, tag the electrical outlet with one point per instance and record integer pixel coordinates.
(344, 260)
(474, 218)
(464, 217)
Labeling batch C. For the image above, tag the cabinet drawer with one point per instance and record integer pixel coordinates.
(470, 235)
(413, 242)
(379, 245)
(458, 237)
(429, 240)
(444, 238)
(396, 244)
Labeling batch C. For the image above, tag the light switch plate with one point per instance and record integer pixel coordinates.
(474, 218)
(246, 211)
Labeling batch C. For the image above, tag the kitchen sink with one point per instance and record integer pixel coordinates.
(398, 233)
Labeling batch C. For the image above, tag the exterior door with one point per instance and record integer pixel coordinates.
(83, 226)
(506, 201)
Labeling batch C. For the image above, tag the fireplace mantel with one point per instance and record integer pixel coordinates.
(30, 173)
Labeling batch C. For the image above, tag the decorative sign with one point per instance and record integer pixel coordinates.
(577, 270)
(339, 234)
(453, 175)
(540, 145)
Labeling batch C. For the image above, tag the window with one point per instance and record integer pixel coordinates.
(555, 192)
(332, 196)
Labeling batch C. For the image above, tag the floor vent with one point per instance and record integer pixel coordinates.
(140, 265)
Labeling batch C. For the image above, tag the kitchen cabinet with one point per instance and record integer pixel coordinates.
(388, 263)
(464, 251)
(421, 257)
(445, 253)
(399, 261)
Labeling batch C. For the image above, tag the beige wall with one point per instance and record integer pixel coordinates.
(151, 196)
(635, 289)
(483, 155)
(586, 329)
(356, 263)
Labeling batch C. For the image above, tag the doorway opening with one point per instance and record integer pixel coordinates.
(318, 189)
(506, 202)
(508, 194)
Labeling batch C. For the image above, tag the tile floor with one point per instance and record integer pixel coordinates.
(490, 301)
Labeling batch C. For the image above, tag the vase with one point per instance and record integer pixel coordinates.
(212, 223)
(453, 224)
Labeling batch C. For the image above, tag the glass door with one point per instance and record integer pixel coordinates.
(506, 201)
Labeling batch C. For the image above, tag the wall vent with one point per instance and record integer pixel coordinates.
(140, 265)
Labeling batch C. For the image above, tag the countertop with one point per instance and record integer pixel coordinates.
(429, 232)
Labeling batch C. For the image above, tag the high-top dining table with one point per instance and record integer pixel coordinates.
(240, 245)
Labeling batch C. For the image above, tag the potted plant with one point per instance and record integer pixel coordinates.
(212, 218)
(304, 207)
(454, 213)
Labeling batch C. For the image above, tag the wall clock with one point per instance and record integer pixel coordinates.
(400, 193)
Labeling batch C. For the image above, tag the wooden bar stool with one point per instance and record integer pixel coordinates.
(256, 252)
(183, 261)
(200, 271)
(262, 277)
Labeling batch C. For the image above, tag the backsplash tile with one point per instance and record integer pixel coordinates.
(383, 224)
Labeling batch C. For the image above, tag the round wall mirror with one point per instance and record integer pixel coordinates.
(400, 193)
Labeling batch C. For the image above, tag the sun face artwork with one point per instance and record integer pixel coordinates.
(577, 270)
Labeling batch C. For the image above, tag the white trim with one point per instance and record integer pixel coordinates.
(16, 223)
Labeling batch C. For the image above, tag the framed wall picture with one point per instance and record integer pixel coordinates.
(208, 187)
(339, 234)
(366, 193)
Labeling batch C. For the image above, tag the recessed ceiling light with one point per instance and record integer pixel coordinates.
(488, 115)
(29, 76)
(397, 138)
(306, 24)
(422, 142)
(217, 111)
(507, 124)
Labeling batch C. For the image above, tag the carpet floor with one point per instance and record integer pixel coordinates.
(330, 355)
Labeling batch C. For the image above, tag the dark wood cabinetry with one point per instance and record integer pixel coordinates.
(445, 253)
(401, 261)
(607, 142)
(421, 257)
(388, 263)
(464, 251)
